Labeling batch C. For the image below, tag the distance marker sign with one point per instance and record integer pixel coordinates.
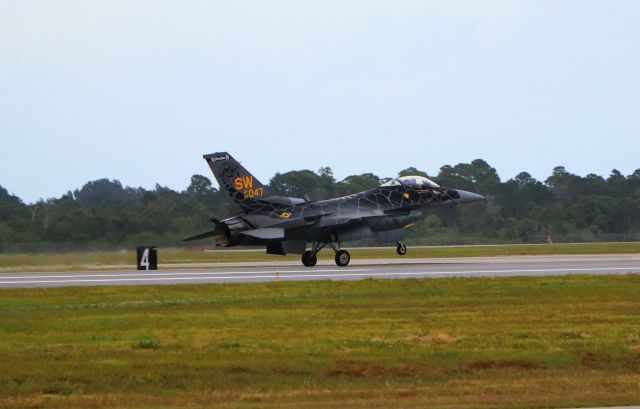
(147, 258)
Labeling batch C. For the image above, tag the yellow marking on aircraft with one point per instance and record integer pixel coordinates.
(406, 195)
(244, 183)
(251, 193)
(285, 215)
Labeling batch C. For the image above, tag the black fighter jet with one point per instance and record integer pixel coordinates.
(286, 224)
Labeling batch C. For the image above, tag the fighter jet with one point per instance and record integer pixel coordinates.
(285, 225)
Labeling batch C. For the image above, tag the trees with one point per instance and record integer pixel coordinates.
(475, 176)
(518, 196)
(521, 208)
(357, 183)
(14, 217)
(104, 190)
(299, 183)
(200, 187)
(411, 171)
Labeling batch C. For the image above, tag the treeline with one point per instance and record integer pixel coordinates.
(103, 213)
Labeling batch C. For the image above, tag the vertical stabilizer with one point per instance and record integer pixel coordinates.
(232, 177)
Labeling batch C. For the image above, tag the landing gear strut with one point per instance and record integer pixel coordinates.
(310, 258)
(401, 249)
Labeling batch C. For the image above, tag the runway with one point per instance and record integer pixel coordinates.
(326, 270)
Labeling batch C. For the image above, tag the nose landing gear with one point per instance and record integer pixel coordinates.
(401, 249)
(342, 258)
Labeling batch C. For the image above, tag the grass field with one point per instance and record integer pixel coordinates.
(92, 260)
(482, 342)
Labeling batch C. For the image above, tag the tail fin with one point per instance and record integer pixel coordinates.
(241, 185)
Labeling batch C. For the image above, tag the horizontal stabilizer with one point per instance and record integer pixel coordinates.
(265, 233)
(201, 236)
(211, 233)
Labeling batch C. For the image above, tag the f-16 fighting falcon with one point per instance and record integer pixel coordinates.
(286, 224)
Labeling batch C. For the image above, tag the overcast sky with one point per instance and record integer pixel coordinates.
(139, 90)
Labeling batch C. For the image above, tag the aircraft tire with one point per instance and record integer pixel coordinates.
(401, 249)
(309, 259)
(343, 258)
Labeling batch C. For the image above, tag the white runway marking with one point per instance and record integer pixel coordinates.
(185, 272)
(284, 275)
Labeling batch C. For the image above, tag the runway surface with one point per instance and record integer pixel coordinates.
(359, 269)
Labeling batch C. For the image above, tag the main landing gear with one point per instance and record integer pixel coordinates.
(310, 257)
(401, 249)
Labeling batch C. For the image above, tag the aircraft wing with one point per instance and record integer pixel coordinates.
(345, 218)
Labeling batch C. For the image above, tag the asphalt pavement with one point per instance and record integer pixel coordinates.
(394, 268)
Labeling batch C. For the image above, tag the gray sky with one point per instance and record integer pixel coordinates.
(139, 90)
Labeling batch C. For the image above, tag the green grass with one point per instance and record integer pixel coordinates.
(482, 342)
(92, 260)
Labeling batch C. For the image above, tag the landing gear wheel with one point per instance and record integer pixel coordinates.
(342, 258)
(401, 249)
(309, 259)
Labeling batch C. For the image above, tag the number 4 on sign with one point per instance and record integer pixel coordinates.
(144, 260)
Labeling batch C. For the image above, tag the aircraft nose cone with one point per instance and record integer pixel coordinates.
(469, 197)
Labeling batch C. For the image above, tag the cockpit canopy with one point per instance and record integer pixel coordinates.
(413, 182)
